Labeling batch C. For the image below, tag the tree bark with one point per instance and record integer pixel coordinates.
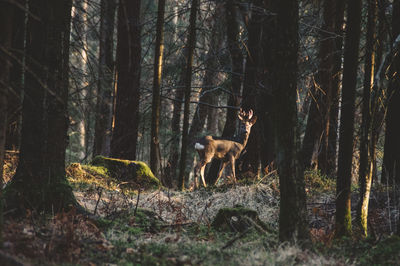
(343, 186)
(337, 68)
(391, 158)
(293, 212)
(366, 166)
(6, 29)
(16, 78)
(40, 183)
(257, 145)
(155, 159)
(126, 122)
(102, 133)
(188, 82)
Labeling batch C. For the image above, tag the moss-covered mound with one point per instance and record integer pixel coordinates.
(135, 173)
(238, 219)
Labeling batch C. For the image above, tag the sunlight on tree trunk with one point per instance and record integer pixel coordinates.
(155, 159)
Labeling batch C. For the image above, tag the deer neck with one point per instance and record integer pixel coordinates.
(243, 138)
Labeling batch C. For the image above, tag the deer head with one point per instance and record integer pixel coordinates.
(228, 151)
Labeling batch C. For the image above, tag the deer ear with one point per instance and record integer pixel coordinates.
(253, 120)
(240, 114)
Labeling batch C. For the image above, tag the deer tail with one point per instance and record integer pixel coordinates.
(198, 146)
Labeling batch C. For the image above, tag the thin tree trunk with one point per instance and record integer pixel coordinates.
(16, 78)
(126, 123)
(334, 112)
(251, 159)
(188, 84)
(366, 169)
(343, 186)
(105, 83)
(325, 80)
(155, 159)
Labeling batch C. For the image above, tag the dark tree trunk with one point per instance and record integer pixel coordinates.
(155, 159)
(40, 182)
(293, 212)
(102, 133)
(343, 186)
(188, 83)
(334, 112)
(325, 80)
(236, 74)
(391, 158)
(6, 29)
(235, 51)
(365, 168)
(16, 78)
(171, 170)
(126, 122)
(252, 99)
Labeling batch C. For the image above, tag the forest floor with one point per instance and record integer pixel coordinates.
(166, 227)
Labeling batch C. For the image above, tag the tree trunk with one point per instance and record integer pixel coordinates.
(325, 78)
(251, 159)
(293, 212)
(391, 158)
(155, 159)
(366, 169)
(105, 83)
(126, 123)
(343, 186)
(16, 78)
(188, 83)
(6, 17)
(334, 112)
(40, 182)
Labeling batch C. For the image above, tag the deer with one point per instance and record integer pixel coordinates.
(209, 147)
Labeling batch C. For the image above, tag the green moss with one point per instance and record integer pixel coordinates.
(237, 219)
(138, 174)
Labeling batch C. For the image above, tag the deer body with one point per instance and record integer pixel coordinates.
(228, 151)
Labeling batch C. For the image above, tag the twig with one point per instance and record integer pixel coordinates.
(137, 202)
(99, 193)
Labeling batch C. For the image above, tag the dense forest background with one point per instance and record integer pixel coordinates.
(143, 80)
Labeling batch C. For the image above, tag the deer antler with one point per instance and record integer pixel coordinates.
(250, 113)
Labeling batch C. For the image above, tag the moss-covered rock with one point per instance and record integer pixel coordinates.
(135, 173)
(238, 219)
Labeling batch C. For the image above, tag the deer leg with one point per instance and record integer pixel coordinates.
(221, 169)
(202, 174)
(232, 161)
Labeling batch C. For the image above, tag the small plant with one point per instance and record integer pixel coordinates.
(318, 183)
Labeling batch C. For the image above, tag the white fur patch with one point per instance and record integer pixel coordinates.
(198, 146)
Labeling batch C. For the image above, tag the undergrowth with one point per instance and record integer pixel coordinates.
(162, 227)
